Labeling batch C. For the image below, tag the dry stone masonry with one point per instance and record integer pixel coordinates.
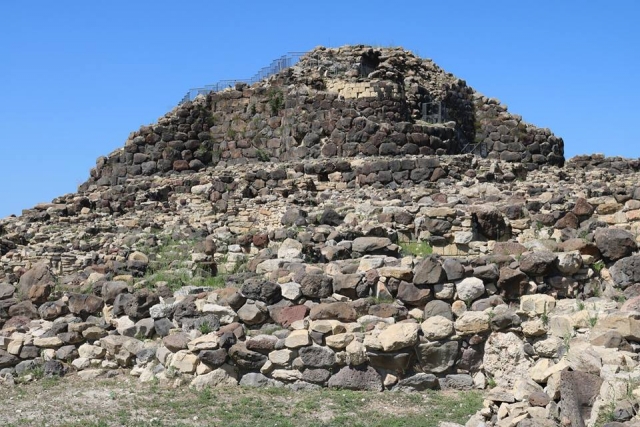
(335, 103)
(312, 231)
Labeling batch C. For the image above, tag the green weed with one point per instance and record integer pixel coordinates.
(416, 248)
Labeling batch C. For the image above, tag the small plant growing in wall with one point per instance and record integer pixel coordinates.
(545, 316)
(593, 319)
(262, 155)
(276, 100)
(598, 266)
(205, 328)
(231, 133)
(538, 227)
(491, 382)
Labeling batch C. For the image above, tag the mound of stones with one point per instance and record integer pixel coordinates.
(530, 292)
(312, 231)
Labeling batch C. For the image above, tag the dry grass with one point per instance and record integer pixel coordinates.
(122, 401)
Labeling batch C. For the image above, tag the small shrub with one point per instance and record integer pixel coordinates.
(545, 316)
(201, 151)
(205, 328)
(631, 385)
(491, 383)
(583, 235)
(597, 290)
(262, 155)
(593, 319)
(598, 266)
(566, 339)
(276, 100)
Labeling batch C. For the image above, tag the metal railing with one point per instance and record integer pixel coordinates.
(276, 66)
(434, 112)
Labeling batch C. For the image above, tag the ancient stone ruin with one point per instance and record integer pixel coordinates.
(363, 220)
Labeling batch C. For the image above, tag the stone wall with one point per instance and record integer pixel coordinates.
(324, 107)
(507, 137)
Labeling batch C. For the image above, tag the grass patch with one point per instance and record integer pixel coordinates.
(415, 248)
(170, 262)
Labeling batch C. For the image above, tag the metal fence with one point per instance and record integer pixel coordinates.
(434, 112)
(277, 65)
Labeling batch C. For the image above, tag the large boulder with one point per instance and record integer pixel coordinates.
(288, 315)
(213, 358)
(336, 310)
(6, 290)
(317, 357)
(505, 359)
(537, 263)
(136, 305)
(258, 380)
(110, 290)
(83, 305)
(438, 308)
(578, 391)
(569, 263)
(52, 310)
(454, 270)
(399, 336)
(437, 328)
(437, 357)
(253, 313)
(294, 216)
(316, 286)
(221, 377)
(7, 360)
(417, 382)
(512, 281)
(351, 285)
(372, 245)
(491, 224)
(472, 322)
(331, 217)
(428, 272)
(397, 362)
(626, 271)
(615, 243)
(262, 290)
(245, 358)
(357, 378)
(290, 249)
(24, 309)
(470, 289)
(410, 294)
(39, 275)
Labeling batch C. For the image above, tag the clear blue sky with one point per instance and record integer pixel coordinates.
(77, 76)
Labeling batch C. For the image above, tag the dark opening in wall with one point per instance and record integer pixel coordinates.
(323, 177)
(369, 62)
